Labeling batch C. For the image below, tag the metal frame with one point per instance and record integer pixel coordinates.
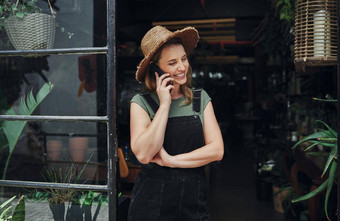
(110, 119)
(338, 105)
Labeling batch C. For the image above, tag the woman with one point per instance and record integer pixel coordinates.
(174, 132)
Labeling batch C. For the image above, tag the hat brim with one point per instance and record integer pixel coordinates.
(189, 37)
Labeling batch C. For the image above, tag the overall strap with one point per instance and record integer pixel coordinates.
(196, 100)
(150, 101)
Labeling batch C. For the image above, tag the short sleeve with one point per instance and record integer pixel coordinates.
(139, 99)
(205, 98)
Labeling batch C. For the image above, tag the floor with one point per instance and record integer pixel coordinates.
(233, 192)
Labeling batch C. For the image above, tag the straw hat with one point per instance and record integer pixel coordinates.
(156, 37)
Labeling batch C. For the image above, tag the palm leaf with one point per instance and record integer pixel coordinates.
(13, 129)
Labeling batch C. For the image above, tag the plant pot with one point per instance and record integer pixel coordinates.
(34, 31)
(78, 147)
(278, 199)
(58, 211)
(53, 148)
(264, 190)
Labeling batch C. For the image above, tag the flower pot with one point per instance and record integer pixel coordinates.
(264, 190)
(33, 31)
(278, 199)
(58, 211)
(53, 148)
(77, 147)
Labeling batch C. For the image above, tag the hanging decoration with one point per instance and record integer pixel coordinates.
(315, 32)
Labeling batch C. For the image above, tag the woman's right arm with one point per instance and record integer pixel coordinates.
(147, 136)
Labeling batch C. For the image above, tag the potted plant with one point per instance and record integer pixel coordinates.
(25, 25)
(326, 138)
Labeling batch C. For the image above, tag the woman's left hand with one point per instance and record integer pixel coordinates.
(162, 158)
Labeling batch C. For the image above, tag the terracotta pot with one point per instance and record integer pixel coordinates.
(53, 148)
(77, 147)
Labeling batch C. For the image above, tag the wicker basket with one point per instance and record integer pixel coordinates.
(34, 31)
(315, 32)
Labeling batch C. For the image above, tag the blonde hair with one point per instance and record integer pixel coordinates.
(150, 82)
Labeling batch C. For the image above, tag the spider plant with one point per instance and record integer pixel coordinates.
(328, 138)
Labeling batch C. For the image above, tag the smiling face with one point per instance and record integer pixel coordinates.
(173, 60)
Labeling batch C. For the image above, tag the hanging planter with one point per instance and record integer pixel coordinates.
(315, 32)
(33, 31)
(25, 25)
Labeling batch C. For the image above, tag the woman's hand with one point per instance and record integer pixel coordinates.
(162, 158)
(164, 88)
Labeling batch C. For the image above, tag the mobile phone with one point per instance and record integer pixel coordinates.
(154, 68)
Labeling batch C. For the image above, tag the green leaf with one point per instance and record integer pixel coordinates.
(19, 211)
(310, 137)
(13, 129)
(311, 146)
(318, 190)
(14, 7)
(5, 212)
(330, 185)
(329, 160)
(4, 204)
(335, 134)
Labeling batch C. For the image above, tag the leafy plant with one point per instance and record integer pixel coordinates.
(327, 138)
(58, 196)
(19, 211)
(19, 9)
(13, 129)
(13, 8)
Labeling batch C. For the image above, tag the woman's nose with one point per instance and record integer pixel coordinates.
(181, 66)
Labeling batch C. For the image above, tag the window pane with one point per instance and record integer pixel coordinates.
(79, 83)
(75, 152)
(72, 27)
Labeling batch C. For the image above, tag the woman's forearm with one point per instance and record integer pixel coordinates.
(199, 157)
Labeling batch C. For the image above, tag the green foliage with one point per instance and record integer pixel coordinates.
(328, 138)
(19, 211)
(71, 175)
(18, 8)
(275, 32)
(286, 10)
(13, 129)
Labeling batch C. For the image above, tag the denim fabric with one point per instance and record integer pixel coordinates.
(167, 194)
(173, 194)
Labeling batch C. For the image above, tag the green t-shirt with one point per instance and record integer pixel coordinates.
(177, 108)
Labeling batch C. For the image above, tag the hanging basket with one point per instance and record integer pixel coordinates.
(34, 31)
(315, 32)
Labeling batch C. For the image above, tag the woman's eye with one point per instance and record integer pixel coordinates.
(184, 59)
(173, 63)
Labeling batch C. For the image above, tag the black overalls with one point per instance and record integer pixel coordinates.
(163, 193)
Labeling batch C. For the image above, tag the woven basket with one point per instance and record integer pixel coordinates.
(34, 31)
(315, 32)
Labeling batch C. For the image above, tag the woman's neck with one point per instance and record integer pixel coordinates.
(176, 92)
